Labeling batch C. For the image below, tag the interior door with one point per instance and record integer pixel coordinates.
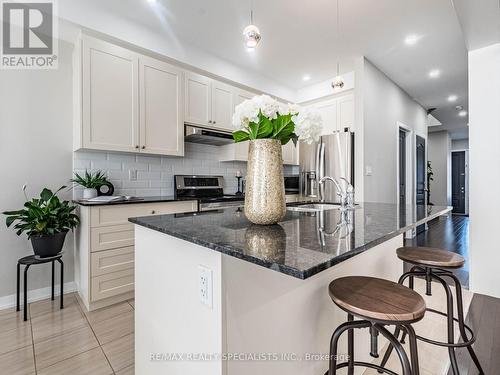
(421, 174)
(198, 102)
(110, 105)
(161, 94)
(458, 182)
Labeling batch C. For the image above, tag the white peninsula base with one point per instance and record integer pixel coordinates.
(255, 311)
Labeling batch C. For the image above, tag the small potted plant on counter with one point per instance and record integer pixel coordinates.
(46, 220)
(91, 181)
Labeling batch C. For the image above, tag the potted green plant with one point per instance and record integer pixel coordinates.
(46, 220)
(91, 181)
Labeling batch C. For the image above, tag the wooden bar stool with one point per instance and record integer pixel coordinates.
(434, 264)
(377, 303)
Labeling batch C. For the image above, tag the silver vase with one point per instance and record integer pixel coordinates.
(265, 189)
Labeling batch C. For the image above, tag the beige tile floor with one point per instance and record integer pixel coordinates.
(69, 341)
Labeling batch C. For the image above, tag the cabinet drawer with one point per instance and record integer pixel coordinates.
(119, 214)
(112, 284)
(109, 261)
(107, 238)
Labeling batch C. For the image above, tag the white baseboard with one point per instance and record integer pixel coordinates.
(35, 295)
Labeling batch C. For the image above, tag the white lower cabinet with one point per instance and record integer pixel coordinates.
(104, 254)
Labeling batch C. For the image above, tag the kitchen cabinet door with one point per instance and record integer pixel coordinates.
(162, 117)
(328, 112)
(345, 113)
(242, 95)
(222, 105)
(198, 100)
(110, 98)
(290, 156)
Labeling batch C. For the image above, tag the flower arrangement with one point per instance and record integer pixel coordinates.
(264, 117)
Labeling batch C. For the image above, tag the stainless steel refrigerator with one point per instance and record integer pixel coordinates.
(333, 156)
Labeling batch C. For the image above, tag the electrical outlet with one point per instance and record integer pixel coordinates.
(132, 174)
(206, 286)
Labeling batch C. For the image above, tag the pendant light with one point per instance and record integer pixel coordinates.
(251, 33)
(338, 82)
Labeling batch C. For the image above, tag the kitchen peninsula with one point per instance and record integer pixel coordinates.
(212, 286)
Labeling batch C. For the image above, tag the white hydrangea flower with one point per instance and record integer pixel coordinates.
(308, 125)
(268, 106)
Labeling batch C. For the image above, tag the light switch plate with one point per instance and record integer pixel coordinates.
(368, 170)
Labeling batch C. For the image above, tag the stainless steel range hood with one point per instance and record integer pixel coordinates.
(195, 134)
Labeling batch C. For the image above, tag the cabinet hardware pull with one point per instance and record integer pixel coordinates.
(153, 212)
(136, 146)
(214, 122)
(143, 147)
(209, 121)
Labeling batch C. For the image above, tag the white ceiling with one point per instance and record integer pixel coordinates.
(299, 37)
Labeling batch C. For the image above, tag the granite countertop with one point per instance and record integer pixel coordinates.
(301, 245)
(153, 199)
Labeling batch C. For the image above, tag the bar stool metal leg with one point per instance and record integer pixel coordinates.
(403, 358)
(350, 346)
(62, 282)
(18, 295)
(412, 337)
(461, 323)
(26, 292)
(52, 295)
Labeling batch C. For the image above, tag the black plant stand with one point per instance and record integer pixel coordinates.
(28, 261)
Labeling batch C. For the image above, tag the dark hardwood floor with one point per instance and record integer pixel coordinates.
(450, 233)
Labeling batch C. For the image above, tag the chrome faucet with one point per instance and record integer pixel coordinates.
(340, 192)
(349, 190)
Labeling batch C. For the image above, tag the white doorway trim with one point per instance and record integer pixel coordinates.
(410, 169)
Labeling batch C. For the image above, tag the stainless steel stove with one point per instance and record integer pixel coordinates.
(209, 190)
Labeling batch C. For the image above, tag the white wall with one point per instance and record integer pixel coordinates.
(460, 144)
(484, 177)
(439, 147)
(35, 149)
(380, 106)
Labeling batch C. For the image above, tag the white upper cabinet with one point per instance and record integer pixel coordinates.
(345, 113)
(198, 101)
(109, 100)
(222, 105)
(161, 93)
(211, 103)
(337, 113)
(328, 112)
(125, 101)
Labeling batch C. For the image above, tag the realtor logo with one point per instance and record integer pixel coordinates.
(29, 39)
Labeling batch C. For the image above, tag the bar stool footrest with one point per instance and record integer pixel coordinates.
(446, 344)
(380, 369)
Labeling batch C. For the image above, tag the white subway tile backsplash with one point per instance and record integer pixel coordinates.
(155, 174)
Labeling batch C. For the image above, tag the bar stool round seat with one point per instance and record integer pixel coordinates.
(434, 264)
(430, 257)
(377, 303)
(377, 299)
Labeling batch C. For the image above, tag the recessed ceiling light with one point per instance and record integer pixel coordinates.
(151, 1)
(462, 113)
(307, 77)
(434, 73)
(412, 39)
(452, 98)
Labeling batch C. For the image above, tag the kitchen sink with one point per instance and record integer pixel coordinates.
(314, 207)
